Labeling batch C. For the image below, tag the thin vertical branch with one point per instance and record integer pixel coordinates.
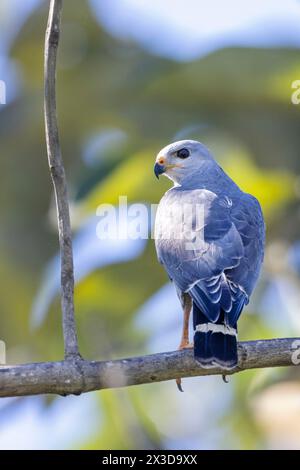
(59, 181)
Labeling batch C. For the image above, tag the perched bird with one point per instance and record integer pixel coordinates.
(209, 236)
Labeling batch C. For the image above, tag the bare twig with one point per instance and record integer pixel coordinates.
(75, 377)
(59, 182)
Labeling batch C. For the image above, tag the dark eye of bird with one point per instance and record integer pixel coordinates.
(183, 153)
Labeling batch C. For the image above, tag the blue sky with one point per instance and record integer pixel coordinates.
(188, 29)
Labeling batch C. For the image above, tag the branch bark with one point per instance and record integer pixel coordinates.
(79, 376)
(59, 181)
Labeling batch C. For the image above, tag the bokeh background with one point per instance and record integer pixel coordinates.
(133, 76)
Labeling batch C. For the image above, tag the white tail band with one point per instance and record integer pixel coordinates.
(225, 329)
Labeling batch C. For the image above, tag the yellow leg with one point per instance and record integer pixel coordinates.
(184, 343)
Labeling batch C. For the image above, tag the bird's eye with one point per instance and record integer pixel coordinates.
(183, 153)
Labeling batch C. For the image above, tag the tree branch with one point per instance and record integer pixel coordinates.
(75, 377)
(59, 181)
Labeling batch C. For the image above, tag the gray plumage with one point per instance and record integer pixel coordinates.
(222, 263)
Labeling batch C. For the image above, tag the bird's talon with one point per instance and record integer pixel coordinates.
(178, 383)
(225, 379)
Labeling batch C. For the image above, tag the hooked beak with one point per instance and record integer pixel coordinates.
(159, 169)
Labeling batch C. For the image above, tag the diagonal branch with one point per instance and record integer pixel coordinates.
(75, 377)
(59, 182)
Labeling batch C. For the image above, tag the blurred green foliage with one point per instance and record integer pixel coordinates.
(237, 101)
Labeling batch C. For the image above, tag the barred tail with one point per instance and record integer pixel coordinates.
(214, 343)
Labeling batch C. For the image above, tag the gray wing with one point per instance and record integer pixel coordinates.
(247, 216)
(216, 261)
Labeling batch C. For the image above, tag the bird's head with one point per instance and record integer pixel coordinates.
(181, 159)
